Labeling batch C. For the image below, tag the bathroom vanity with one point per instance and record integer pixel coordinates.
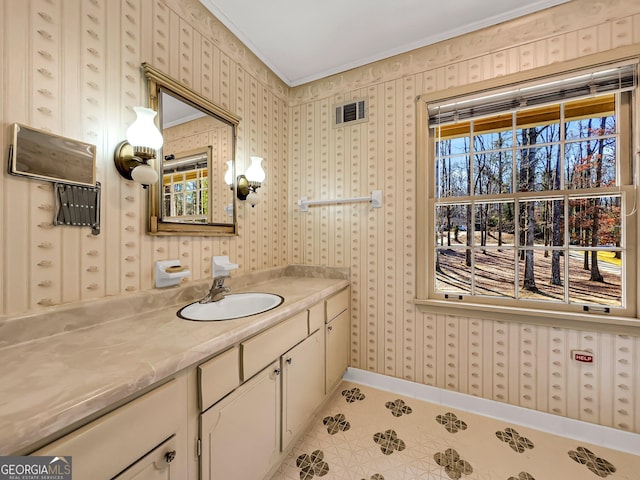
(173, 398)
(282, 382)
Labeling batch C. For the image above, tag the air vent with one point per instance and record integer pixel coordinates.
(353, 111)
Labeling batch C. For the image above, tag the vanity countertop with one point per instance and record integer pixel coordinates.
(51, 383)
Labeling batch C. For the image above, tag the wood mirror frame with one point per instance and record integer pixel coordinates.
(158, 82)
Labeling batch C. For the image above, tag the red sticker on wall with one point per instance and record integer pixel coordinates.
(582, 356)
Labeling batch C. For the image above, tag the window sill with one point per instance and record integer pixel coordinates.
(551, 318)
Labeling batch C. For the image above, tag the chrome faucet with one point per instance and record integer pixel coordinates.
(217, 291)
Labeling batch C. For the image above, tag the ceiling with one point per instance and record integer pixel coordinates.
(175, 111)
(304, 40)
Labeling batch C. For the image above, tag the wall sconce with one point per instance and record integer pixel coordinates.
(248, 183)
(133, 154)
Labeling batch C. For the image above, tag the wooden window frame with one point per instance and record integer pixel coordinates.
(628, 322)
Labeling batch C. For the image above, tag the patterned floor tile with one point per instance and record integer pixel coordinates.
(367, 434)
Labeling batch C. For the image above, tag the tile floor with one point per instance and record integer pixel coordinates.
(367, 434)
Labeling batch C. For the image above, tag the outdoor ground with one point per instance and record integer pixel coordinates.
(495, 276)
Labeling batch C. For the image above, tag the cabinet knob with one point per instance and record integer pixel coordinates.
(170, 456)
(289, 361)
(330, 327)
(277, 371)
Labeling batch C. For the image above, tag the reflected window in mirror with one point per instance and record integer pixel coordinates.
(185, 186)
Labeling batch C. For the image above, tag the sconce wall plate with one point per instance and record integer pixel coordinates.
(125, 160)
(132, 163)
(243, 188)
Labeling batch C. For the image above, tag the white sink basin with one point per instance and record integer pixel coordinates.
(234, 305)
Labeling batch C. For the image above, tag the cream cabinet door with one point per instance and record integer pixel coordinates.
(156, 465)
(337, 349)
(240, 434)
(302, 385)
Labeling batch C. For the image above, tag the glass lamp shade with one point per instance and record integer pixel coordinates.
(255, 173)
(144, 174)
(143, 132)
(228, 175)
(253, 199)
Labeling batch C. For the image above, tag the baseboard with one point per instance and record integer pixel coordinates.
(555, 424)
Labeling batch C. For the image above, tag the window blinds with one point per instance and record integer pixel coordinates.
(608, 79)
(200, 160)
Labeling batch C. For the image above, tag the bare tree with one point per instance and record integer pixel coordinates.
(557, 240)
(596, 276)
(468, 215)
(500, 188)
(527, 183)
(557, 210)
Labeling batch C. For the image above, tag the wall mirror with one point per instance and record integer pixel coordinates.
(191, 196)
(38, 154)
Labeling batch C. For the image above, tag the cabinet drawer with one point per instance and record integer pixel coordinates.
(157, 464)
(218, 376)
(316, 317)
(113, 442)
(337, 304)
(261, 350)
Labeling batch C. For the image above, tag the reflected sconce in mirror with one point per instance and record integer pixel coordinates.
(228, 179)
(133, 154)
(251, 181)
(248, 183)
(228, 175)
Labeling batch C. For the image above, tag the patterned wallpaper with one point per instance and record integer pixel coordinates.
(72, 67)
(525, 365)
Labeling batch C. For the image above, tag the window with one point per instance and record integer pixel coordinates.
(531, 202)
(185, 192)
